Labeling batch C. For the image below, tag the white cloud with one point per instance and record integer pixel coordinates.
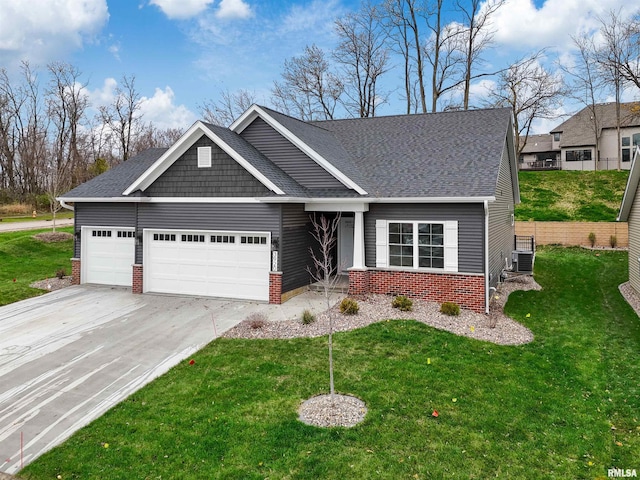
(229, 9)
(40, 29)
(103, 95)
(319, 15)
(520, 24)
(181, 9)
(161, 110)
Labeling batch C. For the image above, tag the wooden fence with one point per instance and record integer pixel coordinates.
(575, 233)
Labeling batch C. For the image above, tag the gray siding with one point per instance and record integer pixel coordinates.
(209, 216)
(288, 157)
(501, 230)
(470, 219)
(225, 177)
(295, 243)
(102, 215)
(634, 244)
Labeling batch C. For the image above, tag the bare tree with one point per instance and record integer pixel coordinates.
(443, 53)
(404, 18)
(309, 89)
(530, 91)
(363, 54)
(230, 106)
(324, 270)
(477, 34)
(122, 115)
(149, 136)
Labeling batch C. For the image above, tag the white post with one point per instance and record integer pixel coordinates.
(358, 240)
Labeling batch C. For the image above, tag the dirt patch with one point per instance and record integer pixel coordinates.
(51, 284)
(53, 237)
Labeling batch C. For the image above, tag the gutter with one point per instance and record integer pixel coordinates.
(65, 204)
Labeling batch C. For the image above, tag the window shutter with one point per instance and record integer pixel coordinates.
(204, 157)
(382, 256)
(451, 246)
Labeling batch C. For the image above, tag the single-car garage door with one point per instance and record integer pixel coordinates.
(107, 255)
(207, 263)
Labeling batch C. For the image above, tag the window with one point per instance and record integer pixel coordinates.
(193, 238)
(101, 233)
(626, 141)
(416, 245)
(164, 237)
(126, 234)
(636, 140)
(254, 240)
(556, 137)
(204, 157)
(626, 155)
(578, 155)
(223, 239)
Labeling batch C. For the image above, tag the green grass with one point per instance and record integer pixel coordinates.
(27, 260)
(570, 196)
(543, 410)
(40, 216)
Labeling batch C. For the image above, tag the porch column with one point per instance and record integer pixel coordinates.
(358, 240)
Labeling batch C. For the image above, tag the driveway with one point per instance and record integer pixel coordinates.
(68, 356)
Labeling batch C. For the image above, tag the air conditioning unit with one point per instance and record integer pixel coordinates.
(522, 261)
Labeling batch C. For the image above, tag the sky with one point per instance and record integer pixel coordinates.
(184, 53)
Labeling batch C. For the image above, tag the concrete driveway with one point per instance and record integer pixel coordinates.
(68, 356)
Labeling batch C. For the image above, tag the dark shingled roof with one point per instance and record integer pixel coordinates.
(116, 180)
(448, 154)
(538, 143)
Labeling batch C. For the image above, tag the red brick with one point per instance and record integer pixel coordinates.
(75, 271)
(136, 286)
(275, 288)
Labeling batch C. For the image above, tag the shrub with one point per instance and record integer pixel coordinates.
(402, 303)
(61, 273)
(349, 306)
(450, 308)
(308, 317)
(613, 241)
(592, 239)
(256, 320)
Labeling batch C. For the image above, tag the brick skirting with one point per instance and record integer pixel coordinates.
(136, 285)
(75, 271)
(275, 287)
(466, 290)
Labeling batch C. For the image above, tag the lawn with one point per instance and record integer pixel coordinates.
(25, 260)
(571, 195)
(565, 406)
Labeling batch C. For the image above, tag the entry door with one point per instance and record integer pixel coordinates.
(345, 244)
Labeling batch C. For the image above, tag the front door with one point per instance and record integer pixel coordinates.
(345, 244)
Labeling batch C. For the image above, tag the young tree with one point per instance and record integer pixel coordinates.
(477, 35)
(324, 270)
(363, 54)
(230, 106)
(309, 89)
(530, 91)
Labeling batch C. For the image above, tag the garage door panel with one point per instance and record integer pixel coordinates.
(194, 264)
(107, 255)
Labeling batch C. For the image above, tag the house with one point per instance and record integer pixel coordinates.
(630, 212)
(538, 153)
(426, 206)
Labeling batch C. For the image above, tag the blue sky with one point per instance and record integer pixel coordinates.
(184, 52)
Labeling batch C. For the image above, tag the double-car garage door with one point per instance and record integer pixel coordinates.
(202, 263)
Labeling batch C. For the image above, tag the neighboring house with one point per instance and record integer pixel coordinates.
(576, 137)
(538, 153)
(630, 212)
(426, 205)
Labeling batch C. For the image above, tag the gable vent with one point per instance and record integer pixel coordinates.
(204, 157)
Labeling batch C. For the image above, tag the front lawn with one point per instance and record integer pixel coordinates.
(25, 260)
(565, 406)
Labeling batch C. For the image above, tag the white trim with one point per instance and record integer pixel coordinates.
(181, 146)
(84, 239)
(64, 204)
(204, 157)
(631, 188)
(336, 207)
(255, 111)
(167, 200)
(486, 256)
(358, 240)
(369, 200)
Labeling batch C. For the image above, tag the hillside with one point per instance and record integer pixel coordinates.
(570, 195)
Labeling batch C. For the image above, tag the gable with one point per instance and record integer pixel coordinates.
(288, 157)
(225, 177)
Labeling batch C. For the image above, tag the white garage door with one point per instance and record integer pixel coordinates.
(107, 255)
(207, 263)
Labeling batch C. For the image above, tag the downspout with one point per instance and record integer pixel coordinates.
(486, 255)
(65, 205)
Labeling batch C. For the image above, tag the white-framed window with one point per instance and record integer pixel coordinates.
(204, 157)
(417, 244)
